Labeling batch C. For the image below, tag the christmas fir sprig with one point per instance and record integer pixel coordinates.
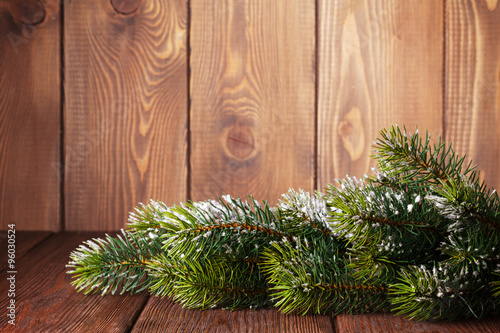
(421, 238)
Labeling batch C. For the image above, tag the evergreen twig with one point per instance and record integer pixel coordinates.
(421, 238)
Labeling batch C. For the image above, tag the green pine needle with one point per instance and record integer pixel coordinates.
(421, 238)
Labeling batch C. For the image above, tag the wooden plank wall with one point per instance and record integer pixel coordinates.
(126, 97)
(30, 115)
(472, 95)
(252, 97)
(380, 63)
(177, 99)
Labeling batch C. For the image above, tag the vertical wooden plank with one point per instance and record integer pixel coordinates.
(380, 63)
(126, 108)
(30, 106)
(472, 96)
(252, 97)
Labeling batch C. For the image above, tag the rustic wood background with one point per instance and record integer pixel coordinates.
(107, 103)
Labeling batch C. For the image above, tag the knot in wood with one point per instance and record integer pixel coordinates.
(126, 7)
(30, 12)
(240, 141)
(351, 131)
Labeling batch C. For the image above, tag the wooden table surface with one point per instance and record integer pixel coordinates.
(46, 302)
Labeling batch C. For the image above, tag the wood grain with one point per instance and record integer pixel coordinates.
(389, 323)
(162, 315)
(46, 302)
(30, 108)
(252, 97)
(380, 63)
(24, 241)
(472, 95)
(125, 109)
(29, 12)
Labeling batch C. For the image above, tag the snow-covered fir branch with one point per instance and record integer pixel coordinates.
(421, 237)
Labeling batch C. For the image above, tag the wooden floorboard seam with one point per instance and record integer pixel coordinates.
(21, 253)
(37, 245)
(138, 315)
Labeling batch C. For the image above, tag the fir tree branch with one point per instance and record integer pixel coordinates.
(209, 282)
(363, 213)
(422, 238)
(463, 202)
(495, 285)
(111, 264)
(314, 277)
(440, 294)
(408, 155)
(305, 214)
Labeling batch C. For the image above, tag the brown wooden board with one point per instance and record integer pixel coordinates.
(23, 241)
(252, 97)
(30, 109)
(46, 302)
(380, 63)
(125, 108)
(374, 323)
(162, 315)
(472, 94)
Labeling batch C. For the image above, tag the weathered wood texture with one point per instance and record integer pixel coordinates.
(46, 302)
(472, 96)
(23, 241)
(130, 128)
(125, 108)
(161, 315)
(252, 97)
(30, 115)
(380, 63)
(391, 324)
